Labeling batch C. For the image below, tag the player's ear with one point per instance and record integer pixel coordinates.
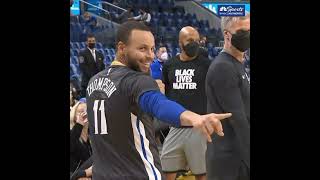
(226, 35)
(121, 47)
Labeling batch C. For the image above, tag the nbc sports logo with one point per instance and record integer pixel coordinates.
(231, 10)
(223, 9)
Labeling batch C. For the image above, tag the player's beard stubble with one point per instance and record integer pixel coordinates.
(133, 63)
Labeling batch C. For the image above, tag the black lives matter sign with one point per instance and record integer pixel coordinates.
(184, 79)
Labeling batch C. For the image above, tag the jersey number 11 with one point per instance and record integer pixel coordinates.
(102, 117)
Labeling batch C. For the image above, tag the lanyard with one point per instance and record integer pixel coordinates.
(247, 77)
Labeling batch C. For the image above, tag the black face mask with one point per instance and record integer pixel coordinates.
(191, 49)
(92, 45)
(241, 40)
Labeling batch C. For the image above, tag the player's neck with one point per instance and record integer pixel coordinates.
(118, 61)
(238, 55)
(184, 57)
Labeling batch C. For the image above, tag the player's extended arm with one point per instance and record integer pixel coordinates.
(156, 104)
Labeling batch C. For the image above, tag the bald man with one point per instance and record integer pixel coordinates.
(183, 76)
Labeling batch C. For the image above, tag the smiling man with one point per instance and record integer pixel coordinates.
(123, 147)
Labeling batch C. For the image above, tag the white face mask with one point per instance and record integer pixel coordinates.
(164, 56)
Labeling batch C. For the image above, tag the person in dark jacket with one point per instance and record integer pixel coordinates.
(80, 149)
(91, 62)
(228, 90)
(203, 50)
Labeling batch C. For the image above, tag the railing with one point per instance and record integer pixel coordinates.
(103, 2)
(98, 10)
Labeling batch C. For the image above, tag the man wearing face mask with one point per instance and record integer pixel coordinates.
(156, 66)
(228, 90)
(183, 77)
(91, 62)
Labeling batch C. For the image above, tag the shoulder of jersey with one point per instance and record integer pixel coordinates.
(220, 61)
(100, 74)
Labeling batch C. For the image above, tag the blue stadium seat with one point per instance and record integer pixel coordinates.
(153, 24)
(171, 15)
(76, 45)
(163, 16)
(78, 71)
(185, 22)
(113, 52)
(107, 60)
(75, 68)
(76, 52)
(153, 14)
(108, 51)
(158, 15)
(83, 45)
(174, 30)
(162, 30)
(74, 60)
(206, 31)
(178, 15)
(101, 51)
(155, 20)
(71, 45)
(111, 57)
(169, 22)
(71, 52)
(179, 22)
(73, 72)
(99, 45)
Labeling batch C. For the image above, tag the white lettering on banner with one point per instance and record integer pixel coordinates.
(184, 85)
(184, 79)
(102, 84)
(189, 72)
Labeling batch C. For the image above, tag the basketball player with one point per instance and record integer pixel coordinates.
(125, 148)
